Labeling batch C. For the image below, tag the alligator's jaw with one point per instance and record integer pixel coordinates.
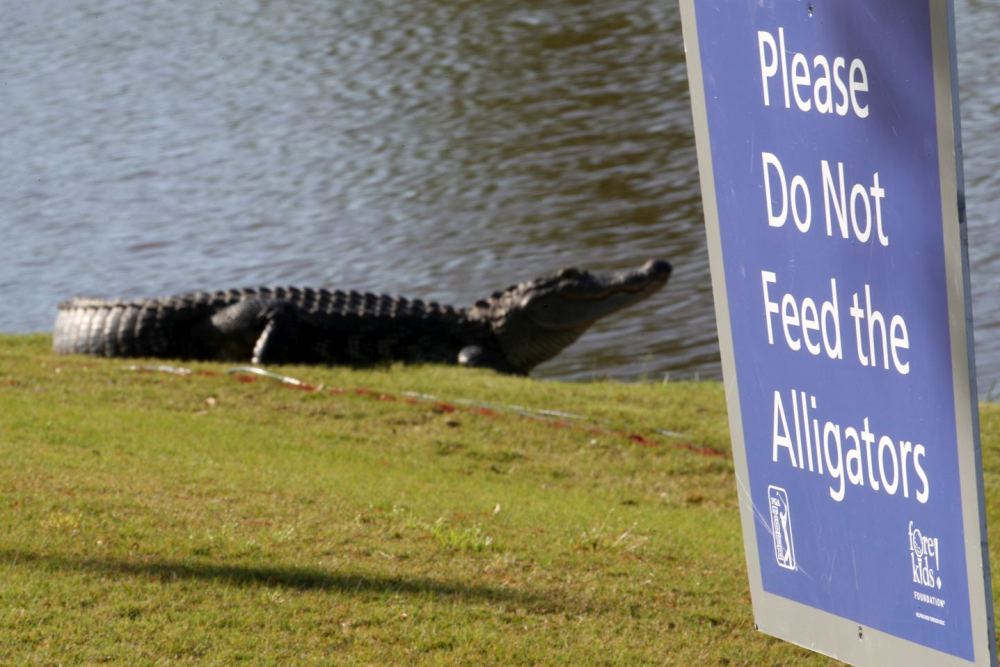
(534, 321)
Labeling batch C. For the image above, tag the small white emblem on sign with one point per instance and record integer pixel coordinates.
(781, 527)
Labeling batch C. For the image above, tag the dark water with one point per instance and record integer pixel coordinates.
(435, 149)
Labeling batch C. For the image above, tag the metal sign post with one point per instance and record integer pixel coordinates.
(830, 162)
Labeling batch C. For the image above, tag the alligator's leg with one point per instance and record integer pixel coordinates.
(278, 338)
(263, 329)
(474, 356)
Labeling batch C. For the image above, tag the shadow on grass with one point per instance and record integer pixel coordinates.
(290, 577)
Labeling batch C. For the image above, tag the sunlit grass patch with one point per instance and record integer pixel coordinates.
(398, 516)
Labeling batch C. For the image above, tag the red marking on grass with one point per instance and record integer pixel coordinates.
(449, 408)
(635, 437)
(701, 449)
(9, 383)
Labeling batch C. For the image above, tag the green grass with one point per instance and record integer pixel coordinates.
(147, 518)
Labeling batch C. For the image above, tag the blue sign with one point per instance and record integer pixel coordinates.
(824, 143)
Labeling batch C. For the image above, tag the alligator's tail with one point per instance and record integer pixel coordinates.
(114, 328)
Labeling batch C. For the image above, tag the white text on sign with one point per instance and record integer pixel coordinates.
(812, 89)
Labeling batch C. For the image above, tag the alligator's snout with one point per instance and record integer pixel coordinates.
(653, 271)
(658, 268)
(645, 280)
(579, 298)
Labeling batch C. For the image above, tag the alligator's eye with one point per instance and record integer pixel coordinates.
(571, 272)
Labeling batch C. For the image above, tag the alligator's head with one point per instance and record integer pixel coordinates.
(535, 320)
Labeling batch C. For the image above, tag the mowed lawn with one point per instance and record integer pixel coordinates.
(150, 518)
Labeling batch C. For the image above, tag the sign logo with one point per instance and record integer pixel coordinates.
(924, 558)
(781, 527)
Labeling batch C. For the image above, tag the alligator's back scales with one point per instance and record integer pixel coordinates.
(510, 331)
(369, 327)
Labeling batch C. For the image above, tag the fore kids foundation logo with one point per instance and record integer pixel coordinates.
(924, 558)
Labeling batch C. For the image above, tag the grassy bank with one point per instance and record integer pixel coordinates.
(149, 518)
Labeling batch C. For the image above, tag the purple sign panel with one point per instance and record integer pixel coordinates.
(825, 161)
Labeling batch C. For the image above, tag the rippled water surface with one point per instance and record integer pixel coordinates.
(434, 149)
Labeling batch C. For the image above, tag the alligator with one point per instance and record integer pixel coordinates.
(511, 331)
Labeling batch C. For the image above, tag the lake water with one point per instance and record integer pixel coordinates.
(437, 149)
